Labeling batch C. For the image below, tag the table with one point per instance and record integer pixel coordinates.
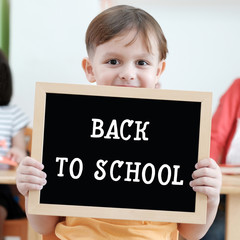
(231, 187)
(8, 176)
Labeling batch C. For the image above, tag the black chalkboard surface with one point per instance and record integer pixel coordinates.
(120, 153)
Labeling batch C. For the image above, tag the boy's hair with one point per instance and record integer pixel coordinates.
(113, 21)
(5, 81)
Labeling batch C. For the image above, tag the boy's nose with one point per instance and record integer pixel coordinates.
(127, 73)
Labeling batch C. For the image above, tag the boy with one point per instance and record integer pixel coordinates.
(126, 47)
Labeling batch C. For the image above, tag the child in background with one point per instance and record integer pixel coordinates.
(226, 127)
(126, 47)
(12, 124)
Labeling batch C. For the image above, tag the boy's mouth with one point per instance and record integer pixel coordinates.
(127, 86)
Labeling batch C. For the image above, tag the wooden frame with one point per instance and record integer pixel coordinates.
(42, 89)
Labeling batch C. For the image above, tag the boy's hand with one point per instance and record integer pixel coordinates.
(30, 176)
(207, 179)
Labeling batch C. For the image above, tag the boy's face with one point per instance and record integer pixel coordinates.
(118, 63)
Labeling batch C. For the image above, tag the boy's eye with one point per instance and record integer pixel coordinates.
(113, 62)
(142, 63)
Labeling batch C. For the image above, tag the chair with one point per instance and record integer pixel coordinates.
(28, 137)
(50, 237)
(19, 227)
(16, 227)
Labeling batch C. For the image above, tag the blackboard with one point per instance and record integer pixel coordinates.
(120, 153)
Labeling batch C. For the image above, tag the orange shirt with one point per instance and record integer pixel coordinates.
(102, 229)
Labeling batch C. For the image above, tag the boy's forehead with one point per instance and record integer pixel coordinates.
(116, 46)
(128, 37)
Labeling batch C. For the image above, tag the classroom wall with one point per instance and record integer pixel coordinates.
(47, 43)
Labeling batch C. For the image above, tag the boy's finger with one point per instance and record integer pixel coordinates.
(207, 162)
(204, 172)
(28, 161)
(203, 181)
(25, 179)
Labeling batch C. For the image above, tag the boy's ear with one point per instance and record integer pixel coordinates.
(161, 68)
(87, 67)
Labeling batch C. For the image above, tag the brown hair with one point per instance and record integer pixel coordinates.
(5, 80)
(115, 20)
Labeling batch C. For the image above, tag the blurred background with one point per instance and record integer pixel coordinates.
(44, 40)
